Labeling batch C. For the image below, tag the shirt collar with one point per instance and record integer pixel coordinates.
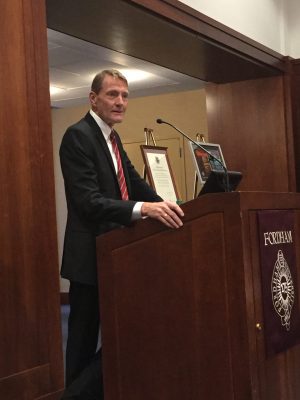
(106, 129)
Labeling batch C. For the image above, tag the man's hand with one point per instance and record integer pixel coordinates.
(168, 213)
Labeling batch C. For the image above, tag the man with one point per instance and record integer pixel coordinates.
(103, 191)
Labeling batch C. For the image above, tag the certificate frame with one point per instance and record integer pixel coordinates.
(159, 172)
(202, 162)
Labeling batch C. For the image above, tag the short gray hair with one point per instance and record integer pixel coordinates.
(98, 80)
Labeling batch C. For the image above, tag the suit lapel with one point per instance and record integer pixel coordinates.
(100, 139)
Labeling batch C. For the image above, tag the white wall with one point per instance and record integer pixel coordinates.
(273, 23)
(293, 28)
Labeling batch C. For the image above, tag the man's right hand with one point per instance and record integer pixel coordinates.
(170, 214)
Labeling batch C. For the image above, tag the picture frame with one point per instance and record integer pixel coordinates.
(159, 172)
(202, 163)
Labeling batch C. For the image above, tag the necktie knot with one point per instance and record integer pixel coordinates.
(112, 136)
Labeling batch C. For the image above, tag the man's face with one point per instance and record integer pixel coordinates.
(111, 102)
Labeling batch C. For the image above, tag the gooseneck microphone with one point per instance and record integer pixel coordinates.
(210, 155)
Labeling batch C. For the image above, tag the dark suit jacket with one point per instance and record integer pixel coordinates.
(93, 196)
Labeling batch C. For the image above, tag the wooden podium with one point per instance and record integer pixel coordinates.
(181, 310)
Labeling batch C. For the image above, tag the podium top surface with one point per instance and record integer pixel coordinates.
(233, 203)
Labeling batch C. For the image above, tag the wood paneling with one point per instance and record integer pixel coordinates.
(249, 119)
(30, 339)
(295, 90)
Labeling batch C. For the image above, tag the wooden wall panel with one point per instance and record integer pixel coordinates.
(250, 120)
(30, 338)
(295, 90)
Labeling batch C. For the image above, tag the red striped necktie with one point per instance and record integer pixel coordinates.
(120, 173)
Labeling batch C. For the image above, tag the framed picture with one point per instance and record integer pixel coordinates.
(159, 172)
(203, 163)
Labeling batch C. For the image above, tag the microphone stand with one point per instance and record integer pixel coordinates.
(210, 155)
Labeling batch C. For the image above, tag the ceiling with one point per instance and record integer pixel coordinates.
(74, 62)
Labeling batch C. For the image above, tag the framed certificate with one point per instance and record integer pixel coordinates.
(203, 163)
(159, 172)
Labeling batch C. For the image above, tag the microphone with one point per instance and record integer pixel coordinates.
(210, 155)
